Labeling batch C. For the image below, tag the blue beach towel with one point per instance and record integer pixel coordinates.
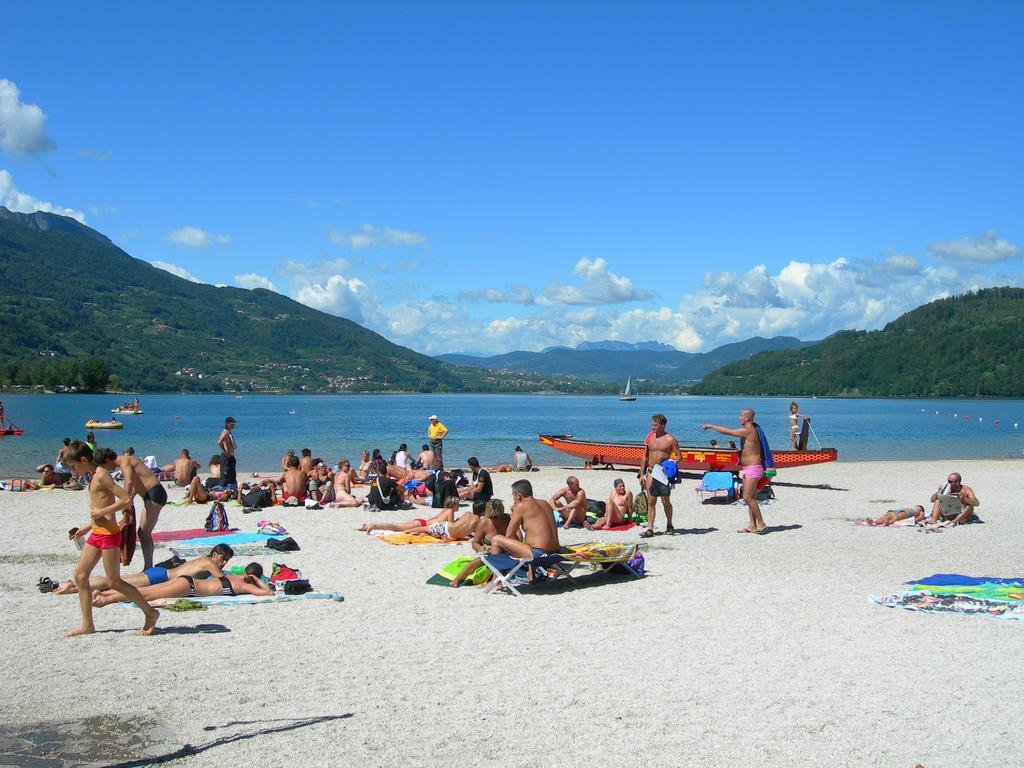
(230, 539)
(957, 580)
(766, 452)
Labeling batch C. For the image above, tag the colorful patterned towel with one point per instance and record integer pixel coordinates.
(959, 604)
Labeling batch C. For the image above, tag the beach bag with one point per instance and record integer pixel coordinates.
(595, 508)
(257, 499)
(284, 573)
(636, 563)
(217, 520)
(283, 545)
(297, 587)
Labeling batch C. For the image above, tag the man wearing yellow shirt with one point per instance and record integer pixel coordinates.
(435, 436)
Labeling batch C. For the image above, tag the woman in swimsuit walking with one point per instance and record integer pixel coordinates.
(188, 586)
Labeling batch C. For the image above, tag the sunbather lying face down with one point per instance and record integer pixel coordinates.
(211, 564)
(895, 515)
(189, 586)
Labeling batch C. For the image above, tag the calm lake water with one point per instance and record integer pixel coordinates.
(491, 426)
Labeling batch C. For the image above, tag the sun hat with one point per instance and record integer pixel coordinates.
(432, 417)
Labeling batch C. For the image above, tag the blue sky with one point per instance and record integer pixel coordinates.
(496, 176)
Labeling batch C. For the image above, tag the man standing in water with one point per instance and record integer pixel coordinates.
(659, 446)
(226, 442)
(754, 457)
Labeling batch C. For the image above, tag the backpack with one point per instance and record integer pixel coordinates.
(217, 520)
(258, 498)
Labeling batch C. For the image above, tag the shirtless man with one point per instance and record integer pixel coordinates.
(536, 518)
(752, 464)
(106, 499)
(570, 502)
(619, 503)
(294, 482)
(895, 515)
(659, 446)
(425, 459)
(140, 481)
(954, 487)
(306, 461)
(211, 564)
(227, 445)
(184, 468)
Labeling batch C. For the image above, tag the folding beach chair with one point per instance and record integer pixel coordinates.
(714, 483)
(509, 571)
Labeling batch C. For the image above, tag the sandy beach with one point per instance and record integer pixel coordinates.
(735, 650)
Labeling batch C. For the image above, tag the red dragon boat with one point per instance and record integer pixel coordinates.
(704, 457)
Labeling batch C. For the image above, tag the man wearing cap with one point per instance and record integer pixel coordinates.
(436, 432)
(226, 442)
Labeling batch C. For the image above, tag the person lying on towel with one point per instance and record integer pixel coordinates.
(189, 586)
(895, 515)
(199, 567)
(443, 525)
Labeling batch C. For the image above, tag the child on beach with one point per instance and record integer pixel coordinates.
(106, 499)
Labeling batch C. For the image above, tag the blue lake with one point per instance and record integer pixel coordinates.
(491, 426)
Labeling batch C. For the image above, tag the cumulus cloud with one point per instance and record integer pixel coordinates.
(22, 126)
(517, 294)
(370, 236)
(987, 248)
(174, 269)
(194, 237)
(338, 295)
(253, 280)
(21, 202)
(599, 286)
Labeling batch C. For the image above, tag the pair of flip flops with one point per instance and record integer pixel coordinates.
(46, 584)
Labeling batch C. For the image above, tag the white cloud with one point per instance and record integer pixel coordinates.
(338, 295)
(22, 126)
(370, 236)
(253, 280)
(987, 248)
(517, 294)
(20, 202)
(194, 237)
(600, 286)
(174, 269)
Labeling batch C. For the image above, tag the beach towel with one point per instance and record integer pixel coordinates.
(766, 452)
(205, 542)
(623, 526)
(907, 522)
(241, 550)
(245, 599)
(444, 576)
(957, 604)
(190, 533)
(954, 579)
(986, 591)
(390, 537)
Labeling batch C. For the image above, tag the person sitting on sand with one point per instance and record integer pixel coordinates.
(481, 489)
(339, 492)
(363, 470)
(537, 521)
(293, 483)
(895, 515)
(201, 492)
(493, 523)
(50, 478)
(619, 503)
(425, 458)
(954, 487)
(521, 461)
(184, 469)
(321, 481)
(570, 502)
(189, 586)
(200, 567)
(443, 524)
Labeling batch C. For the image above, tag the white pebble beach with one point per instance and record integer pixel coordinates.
(734, 650)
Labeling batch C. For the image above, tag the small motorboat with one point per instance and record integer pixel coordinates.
(130, 411)
(112, 424)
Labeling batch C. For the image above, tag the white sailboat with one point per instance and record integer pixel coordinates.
(628, 395)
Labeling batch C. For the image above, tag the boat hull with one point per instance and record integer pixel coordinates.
(689, 456)
(130, 413)
(10, 432)
(103, 425)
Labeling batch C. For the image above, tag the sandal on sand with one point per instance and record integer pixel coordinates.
(761, 531)
(46, 584)
(670, 531)
(647, 534)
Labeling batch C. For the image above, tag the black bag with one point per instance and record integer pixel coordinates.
(258, 498)
(297, 587)
(283, 545)
(595, 507)
(172, 562)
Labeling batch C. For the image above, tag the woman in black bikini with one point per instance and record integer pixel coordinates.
(187, 586)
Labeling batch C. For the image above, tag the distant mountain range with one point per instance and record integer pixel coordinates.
(619, 346)
(77, 311)
(603, 361)
(965, 346)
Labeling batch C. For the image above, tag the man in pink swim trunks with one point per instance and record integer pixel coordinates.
(751, 466)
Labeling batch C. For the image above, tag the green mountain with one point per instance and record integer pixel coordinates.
(74, 307)
(970, 345)
(662, 368)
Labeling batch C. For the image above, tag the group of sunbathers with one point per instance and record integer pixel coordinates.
(952, 503)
